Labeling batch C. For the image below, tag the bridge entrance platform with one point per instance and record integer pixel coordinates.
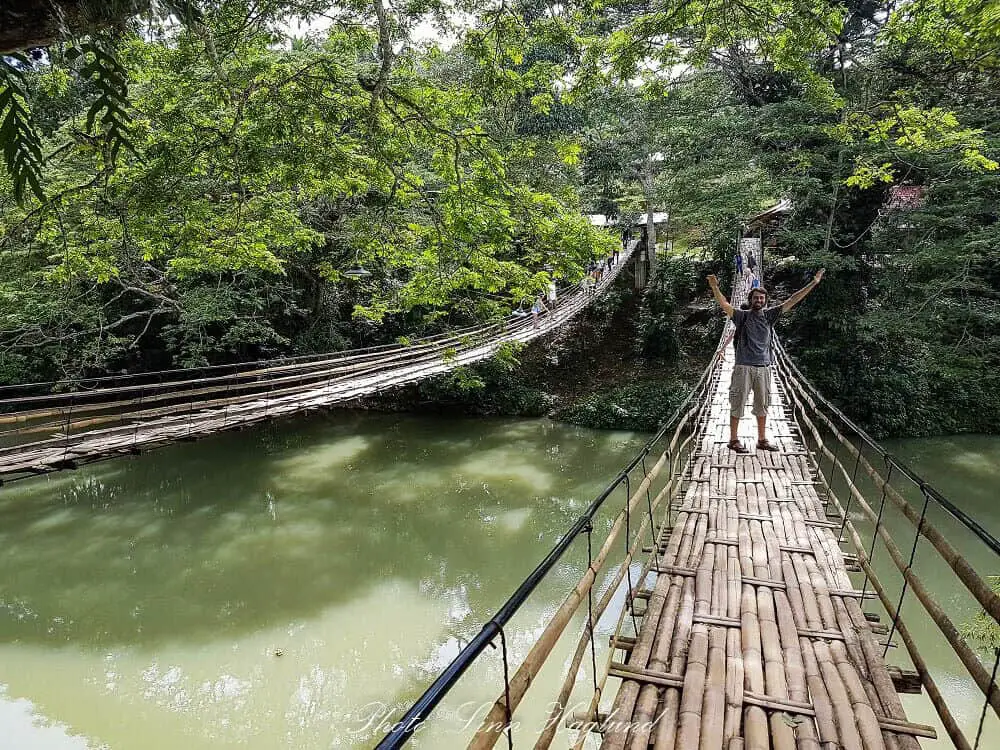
(754, 636)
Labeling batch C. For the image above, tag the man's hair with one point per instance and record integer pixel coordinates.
(755, 290)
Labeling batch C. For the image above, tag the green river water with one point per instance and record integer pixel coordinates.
(297, 585)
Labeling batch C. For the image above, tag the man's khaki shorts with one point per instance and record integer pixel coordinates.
(745, 378)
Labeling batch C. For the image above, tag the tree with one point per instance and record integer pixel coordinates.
(256, 176)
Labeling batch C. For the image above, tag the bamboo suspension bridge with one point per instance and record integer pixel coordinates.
(738, 624)
(121, 416)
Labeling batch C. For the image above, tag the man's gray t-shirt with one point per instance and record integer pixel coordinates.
(753, 336)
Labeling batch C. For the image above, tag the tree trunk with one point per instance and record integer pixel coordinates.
(25, 24)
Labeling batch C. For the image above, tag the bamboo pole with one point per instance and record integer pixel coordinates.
(714, 698)
(628, 692)
(491, 728)
(826, 723)
(864, 716)
(649, 696)
(644, 714)
(782, 737)
(666, 730)
(794, 668)
(734, 654)
(755, 720)
(692, 695)
(850, 738)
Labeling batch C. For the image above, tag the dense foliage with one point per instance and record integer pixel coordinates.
(189, 182)
(884, 139)
(258, 173)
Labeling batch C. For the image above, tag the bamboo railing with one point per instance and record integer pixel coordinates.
(827, 425)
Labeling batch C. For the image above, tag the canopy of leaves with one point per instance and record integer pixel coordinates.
(191, 187)
(257, 171)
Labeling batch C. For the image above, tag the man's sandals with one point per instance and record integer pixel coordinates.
(737, 447)
(762, 445)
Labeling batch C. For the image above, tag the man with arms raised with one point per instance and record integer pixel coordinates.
(754, 356)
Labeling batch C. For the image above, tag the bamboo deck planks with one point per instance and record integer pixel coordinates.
(757, 640)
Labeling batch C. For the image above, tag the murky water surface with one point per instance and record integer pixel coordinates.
(291, 586)
(296, 585)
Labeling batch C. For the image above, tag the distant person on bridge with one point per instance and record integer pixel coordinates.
(536, 310)
(754, 356)
(739, 264)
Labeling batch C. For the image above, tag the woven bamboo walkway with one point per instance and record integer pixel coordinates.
(754, 637)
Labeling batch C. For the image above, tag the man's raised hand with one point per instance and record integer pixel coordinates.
(713, 282)
(819, 275)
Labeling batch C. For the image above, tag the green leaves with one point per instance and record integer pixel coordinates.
(21, 146)
(966, 30)
(984, 630)
(18, 132)
(102, 68)
(909, 131)
(867, 173)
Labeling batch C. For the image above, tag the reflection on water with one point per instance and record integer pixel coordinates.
(278, 587)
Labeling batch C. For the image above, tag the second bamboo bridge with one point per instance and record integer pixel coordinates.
(52, 431)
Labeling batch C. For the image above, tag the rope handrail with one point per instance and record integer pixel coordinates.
(165, 391)
(420, 710)
(247, 369)
(236, 366)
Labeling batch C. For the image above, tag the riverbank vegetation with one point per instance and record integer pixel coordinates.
(197, 183)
